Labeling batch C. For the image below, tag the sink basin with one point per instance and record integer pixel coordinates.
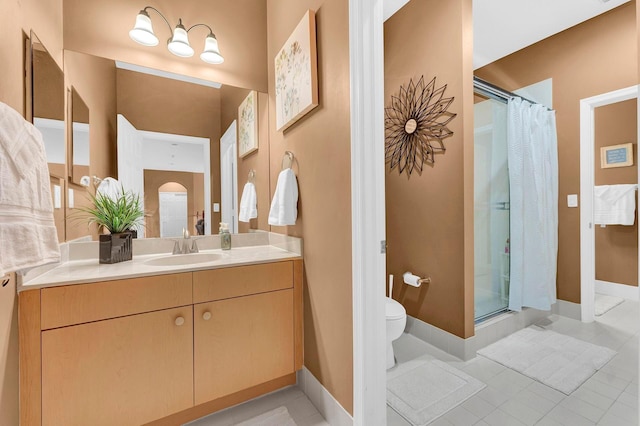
(183, 259)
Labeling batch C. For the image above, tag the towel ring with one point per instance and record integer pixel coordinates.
(252, 176)
(288, 155)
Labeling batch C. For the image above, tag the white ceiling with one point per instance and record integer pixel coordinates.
(501, 27)
(172, 152)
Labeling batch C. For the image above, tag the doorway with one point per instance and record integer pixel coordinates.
(172, 199)
(587, 183)
(140, 150)
(229, 178)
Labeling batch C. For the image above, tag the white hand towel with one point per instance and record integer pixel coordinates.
(248, 203)
(27, 230)
(284, 205)
(614, 204)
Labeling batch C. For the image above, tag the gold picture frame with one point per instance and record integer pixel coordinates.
(616, 156)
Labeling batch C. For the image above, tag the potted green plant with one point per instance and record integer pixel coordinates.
(119, 215)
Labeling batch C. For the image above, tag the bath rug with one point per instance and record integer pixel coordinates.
(605, 303)
(277, 417)
(422, 390)
(553, 359)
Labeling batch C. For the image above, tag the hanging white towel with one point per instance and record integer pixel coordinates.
(248, 203)
(614, 204)
(27, 229)
(284, 205)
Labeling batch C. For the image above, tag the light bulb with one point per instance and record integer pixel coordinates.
(211, 53)
(179, 44)
(142, 31)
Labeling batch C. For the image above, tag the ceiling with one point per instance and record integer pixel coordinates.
(501, 27)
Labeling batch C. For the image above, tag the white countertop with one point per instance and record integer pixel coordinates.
(90, 270)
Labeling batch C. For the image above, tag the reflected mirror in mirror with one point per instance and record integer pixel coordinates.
(79, 138)
(48, 93)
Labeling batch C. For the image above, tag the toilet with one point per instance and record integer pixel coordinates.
(396, 320)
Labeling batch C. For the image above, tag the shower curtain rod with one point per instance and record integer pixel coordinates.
(494, 92)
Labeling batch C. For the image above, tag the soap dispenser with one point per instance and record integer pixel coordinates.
(225, 237)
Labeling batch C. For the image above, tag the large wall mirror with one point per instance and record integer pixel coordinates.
(160, 135)
(79, 146)
(48, 105)
(48, 113)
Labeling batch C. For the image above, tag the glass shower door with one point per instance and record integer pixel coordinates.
(491, 208)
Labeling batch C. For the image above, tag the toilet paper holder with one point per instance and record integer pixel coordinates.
(414, 280)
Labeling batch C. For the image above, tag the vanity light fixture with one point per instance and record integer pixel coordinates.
(178, 44)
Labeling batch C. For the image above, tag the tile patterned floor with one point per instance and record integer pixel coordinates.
(608, 398)
(300, 408)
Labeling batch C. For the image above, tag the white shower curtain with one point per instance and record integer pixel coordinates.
(532, 146)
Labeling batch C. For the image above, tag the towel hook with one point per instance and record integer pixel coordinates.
(252, 176)
(288, 155)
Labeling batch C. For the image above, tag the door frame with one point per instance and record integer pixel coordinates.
(368, 246)
(587, 182)
(229, 141)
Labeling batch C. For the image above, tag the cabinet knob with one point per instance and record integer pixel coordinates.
(206, 316)
(179, 321)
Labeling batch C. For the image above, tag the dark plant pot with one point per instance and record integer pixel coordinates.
(116, 248)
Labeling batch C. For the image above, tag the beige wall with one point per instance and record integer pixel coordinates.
(321, 144)
(17, 18)
(597, 56)
(617, 246)
(94, 79)
(156, 180)
(48, 87)
(169, 106)
(101, 27)
(257, 160)
(231, 97)
(426, 223)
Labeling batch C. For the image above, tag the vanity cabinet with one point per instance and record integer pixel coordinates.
(122, 371)
(162, 349)
(242, 342)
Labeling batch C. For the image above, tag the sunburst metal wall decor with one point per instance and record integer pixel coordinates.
(416, 125)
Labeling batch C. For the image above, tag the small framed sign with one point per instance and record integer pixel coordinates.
(616, 156)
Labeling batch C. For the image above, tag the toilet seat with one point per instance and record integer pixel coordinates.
(394, 310)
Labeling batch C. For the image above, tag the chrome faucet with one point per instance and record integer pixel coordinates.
(188, 245)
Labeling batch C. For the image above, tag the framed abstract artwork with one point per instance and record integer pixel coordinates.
(296, 73)
(248, 124)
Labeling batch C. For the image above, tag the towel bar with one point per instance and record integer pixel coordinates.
(288, 155)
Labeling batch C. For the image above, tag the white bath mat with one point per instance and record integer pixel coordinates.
(556, 360)
(277, 417)
(605, 303)
(423, 390)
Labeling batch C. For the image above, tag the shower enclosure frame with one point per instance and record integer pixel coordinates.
(493, 92)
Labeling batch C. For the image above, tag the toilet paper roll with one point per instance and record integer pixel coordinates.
(411, 279)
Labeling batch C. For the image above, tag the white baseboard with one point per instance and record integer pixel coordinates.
(567, 309)
(618, 290)
(326, 404)
(464, 349)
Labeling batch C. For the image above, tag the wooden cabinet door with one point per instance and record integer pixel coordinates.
(122, 371)
(242, 342)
